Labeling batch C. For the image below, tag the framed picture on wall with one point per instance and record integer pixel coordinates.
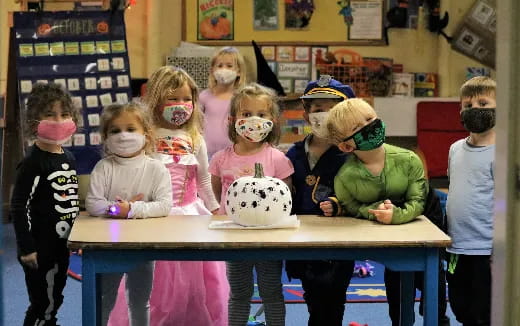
(285, 53)
(302, 53)
(269, 52)
(265, 14)
(215, 20)
(287, 85)
(367, 20)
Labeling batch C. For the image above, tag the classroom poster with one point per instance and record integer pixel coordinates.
(265, 14)
(86, 53)
(215, 20)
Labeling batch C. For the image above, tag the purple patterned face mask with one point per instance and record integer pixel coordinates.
(177, 113)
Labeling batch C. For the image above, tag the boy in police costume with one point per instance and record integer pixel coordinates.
(316, 162)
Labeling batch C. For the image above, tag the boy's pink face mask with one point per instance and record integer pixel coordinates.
(53, 132)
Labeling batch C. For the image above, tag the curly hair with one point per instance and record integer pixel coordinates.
(113, 111)
(41, 99)
(162, 82)
(256, 91)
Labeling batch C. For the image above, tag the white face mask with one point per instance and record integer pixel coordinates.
(318, 122)
(125, 143)
(225, 76)
(254, 129)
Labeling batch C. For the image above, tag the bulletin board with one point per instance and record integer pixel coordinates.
(326, 28)
(86, 53)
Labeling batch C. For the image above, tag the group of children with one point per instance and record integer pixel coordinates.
(177, 152)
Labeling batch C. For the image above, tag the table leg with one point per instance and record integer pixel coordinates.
(88, 289)
(431, 290)
(407, 299)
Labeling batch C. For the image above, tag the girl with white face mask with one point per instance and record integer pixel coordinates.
(253, 128)
(185, 292)
(226, 75)
(127, 183)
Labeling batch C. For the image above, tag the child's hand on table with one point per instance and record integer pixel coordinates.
(326, 207)
(384, 212)
(122, 207)
(214, 212)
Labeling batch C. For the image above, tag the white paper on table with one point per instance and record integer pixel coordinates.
(291, 222)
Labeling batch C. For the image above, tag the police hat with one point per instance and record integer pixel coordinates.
(327, 87)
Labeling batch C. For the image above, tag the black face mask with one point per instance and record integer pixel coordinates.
(478, 120)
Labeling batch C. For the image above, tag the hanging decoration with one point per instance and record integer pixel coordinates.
(346, 11)
(298, 13)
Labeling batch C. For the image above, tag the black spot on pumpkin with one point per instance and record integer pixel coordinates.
(290, 202)
(235, 194)
(262, 194)
(270, 189)
(254, 204)
(267, 209)
(277, 183)
(282, 193)
(232, 210)
(227, 202)
(275, 199)
(247, 184)
(243, 204)
(244, 190)
(254, 190)
(234, 184)
(254, 183)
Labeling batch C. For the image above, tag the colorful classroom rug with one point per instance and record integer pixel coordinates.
(362, 289)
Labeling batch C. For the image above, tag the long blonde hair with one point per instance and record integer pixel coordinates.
(239, 62)
(345, 115)
(164, 80)
(113, 111)
(257, 91)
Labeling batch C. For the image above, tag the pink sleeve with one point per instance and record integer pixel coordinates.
(215, 163)
(282, 165)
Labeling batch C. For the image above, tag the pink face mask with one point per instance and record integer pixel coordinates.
(52, 132)
(177, 113)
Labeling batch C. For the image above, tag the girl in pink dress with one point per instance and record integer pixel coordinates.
(185, 293)
(227, 74)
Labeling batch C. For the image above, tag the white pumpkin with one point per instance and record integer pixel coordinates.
(258, 200)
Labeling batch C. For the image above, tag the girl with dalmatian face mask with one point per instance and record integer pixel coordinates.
(253, 128)
(44, 202)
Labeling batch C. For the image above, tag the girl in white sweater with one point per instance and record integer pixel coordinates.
(127, 183)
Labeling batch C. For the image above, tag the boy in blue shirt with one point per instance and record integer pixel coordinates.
(315, 163)
(469, 206)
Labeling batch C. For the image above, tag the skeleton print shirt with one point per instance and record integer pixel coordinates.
(44, 203)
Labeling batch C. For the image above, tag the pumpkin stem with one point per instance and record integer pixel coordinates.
(259, 170)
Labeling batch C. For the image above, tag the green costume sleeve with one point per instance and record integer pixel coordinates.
(352, 207)
(415, 194)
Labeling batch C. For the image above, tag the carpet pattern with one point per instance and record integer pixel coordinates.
(361, 289)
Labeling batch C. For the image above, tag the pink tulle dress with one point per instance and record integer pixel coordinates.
(185, 293)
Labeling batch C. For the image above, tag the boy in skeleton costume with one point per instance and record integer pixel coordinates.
(45, 201)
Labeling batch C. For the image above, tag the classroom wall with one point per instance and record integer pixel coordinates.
(154, 28)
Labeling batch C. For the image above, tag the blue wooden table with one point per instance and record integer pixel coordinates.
(117, 245)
